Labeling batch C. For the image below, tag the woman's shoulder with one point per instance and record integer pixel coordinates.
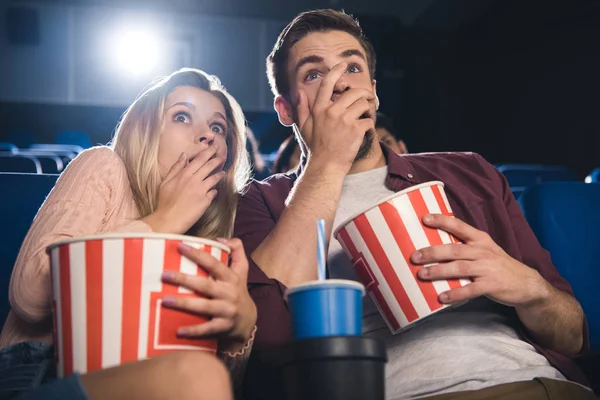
(98, 160)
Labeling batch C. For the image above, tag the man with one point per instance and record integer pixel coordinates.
(389, 135)
(524, 322)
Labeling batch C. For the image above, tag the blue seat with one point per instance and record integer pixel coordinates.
(73, 138)
(17, 210)
(20, 138)
(525, 175)
(565, 218)
(50, 163)
(10, 162)
(4, 146)
(593, 177)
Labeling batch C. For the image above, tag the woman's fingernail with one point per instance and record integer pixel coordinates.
(417, 256)
(181, 332)
(184, 248)
(182, 156)
(424, 272)
(428, 218)
(168, 300)
(168, 275)
(223, 240)
(444, 297)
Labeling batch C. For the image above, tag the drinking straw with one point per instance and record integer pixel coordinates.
(321, 249)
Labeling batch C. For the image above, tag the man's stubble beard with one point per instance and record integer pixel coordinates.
(366, 147)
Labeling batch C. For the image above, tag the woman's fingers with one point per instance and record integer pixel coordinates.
(199, 284)
(211, 329)
(197, 305)
(176, 168)
(207, 262)
(239, 261)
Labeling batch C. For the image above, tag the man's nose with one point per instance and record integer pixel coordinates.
(340, 87)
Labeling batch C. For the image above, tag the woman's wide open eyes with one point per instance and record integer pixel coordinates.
(182, 116)
(218, 128)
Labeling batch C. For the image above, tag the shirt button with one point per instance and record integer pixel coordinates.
(410, 176)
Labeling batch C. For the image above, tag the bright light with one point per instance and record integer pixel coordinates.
(137, 52)
(588, 179)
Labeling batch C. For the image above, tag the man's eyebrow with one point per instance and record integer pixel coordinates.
(352, 52)
(308, 60)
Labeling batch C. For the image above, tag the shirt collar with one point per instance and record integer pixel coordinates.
(399, 166)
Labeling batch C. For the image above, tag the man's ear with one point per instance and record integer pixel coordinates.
(284, 111)
(374, 84)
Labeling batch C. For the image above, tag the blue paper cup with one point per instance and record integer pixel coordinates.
(331, 307)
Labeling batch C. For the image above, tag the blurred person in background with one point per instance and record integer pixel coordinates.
(388, 134)
(257, 163)
(288, 156)
(175, 165)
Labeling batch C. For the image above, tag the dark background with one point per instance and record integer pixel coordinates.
(518, 82)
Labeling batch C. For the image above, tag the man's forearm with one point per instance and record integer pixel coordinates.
(555, 321)
(289, 252)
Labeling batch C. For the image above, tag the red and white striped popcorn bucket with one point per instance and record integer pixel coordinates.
(380, 241)
(107, 293)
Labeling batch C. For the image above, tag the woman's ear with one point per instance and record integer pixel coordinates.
(284, 111)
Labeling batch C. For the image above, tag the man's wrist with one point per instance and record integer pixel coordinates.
(541, 296)
(321, 165)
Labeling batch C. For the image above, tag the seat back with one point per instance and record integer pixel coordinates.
(50, 163)
(18, 207)
(565, 218)
(594, 176)
(524, 175)
(10, 162)
(77, 138)
(4, 146)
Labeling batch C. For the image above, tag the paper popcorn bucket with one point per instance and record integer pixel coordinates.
(380, 241)
(107, 294)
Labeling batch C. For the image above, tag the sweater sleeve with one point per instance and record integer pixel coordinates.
(78, 205)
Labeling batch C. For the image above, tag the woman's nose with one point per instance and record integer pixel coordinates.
(207, 137)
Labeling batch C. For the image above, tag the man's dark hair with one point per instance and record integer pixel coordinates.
(305, 23)
(385, 122)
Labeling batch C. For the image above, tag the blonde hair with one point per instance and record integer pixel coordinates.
(136, 141)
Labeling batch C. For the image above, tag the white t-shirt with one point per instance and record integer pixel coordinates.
(469, 348)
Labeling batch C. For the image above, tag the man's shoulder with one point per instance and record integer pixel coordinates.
(274, 187)
(454, 157)
(450, 163)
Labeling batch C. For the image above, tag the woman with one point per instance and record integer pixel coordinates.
(176, 164)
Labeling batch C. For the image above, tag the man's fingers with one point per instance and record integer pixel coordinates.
(452, 270)
(325, 91)
(471, 291)
(455, 226)
(303, 109)
(352, 96)
(359, 108)
(365, 125)
(448, 252)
